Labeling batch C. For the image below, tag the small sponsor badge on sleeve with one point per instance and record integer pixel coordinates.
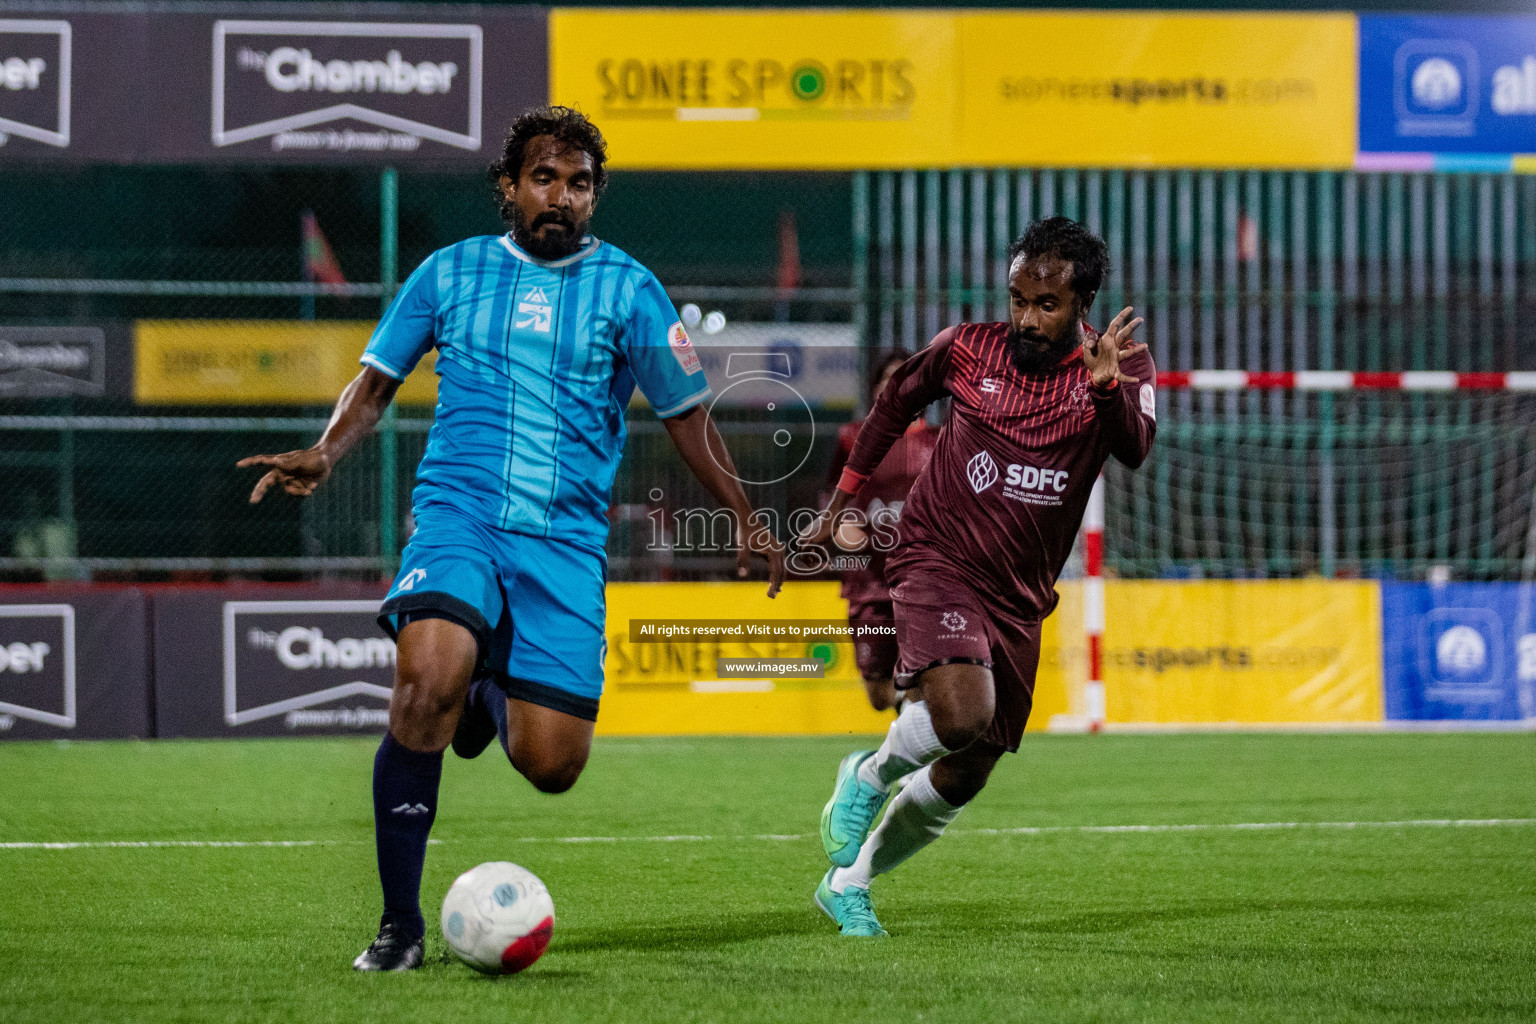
(683, 349)
(1149, 402)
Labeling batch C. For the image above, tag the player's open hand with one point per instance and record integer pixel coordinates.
(1102, 355)
(818, 530)
(844, 530)
(761, 542)
(299, 473)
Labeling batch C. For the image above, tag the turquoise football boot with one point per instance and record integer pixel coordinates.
(846, 820)
(849, 908)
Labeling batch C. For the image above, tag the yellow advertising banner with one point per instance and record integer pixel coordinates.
(1245, 652)
(1176, 653)
(670, 687)
(1158, 90)
(258, 362)
(827, 90)
(702, 89)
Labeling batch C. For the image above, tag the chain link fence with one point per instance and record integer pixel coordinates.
(1251, 270)
(141, 484)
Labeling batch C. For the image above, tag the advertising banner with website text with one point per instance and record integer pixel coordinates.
(670, 687)
(258, 362)
(825, 89)
(1208, 653)
(1242, 652)
(1156, 90)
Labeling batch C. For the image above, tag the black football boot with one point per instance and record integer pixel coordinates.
(394, 950)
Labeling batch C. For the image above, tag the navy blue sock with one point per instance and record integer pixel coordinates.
(404, 807)
(492, 698)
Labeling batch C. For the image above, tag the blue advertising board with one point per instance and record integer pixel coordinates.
(1459, 651)
(1447, 84)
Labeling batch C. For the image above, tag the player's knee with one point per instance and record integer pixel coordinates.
(556, 779)
(421, 700)
(958, 726)
(550, 774)
(420, 705)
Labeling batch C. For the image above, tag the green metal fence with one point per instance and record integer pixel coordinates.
(1251, 270)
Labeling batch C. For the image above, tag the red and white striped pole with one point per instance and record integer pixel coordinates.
(1093, 605)
(1346, 380)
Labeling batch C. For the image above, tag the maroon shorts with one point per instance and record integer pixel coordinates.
(940, 621)
(876, 656)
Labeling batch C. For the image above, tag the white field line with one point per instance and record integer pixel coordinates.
(776, 837)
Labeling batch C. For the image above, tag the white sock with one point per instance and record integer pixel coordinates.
(916, 818)
(910, 744)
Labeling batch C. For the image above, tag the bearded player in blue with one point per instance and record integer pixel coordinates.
(542, 335)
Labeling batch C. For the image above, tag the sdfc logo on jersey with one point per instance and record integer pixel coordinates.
(981, 471)
(683, 349)
(533, 312)
(991, 386)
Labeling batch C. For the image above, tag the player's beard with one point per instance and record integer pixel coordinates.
(548, 245)
(1034, 352)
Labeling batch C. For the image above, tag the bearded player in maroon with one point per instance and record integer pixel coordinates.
(878, 503)
(1038, 405)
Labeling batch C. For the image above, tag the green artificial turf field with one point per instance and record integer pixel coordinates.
(714, 922)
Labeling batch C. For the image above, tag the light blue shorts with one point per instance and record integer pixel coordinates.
(535, 605)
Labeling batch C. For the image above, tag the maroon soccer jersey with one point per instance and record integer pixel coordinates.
(886, 489)
(1000, 502)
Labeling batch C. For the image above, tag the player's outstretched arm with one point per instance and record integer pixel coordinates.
(357, 413)
(699, 442)
(914, 385)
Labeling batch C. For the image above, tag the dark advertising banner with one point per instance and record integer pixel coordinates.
(66, 360)
(73, 665)
(1459, 651)
(1447, 84)
(35, 57)
(312, 661)
(269, 83)
(38, 362)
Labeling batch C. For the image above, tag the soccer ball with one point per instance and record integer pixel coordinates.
(498, 917)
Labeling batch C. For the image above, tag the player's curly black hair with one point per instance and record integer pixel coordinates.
(1065, 239)
(566, 125)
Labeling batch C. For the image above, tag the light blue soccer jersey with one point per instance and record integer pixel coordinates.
(537, 361)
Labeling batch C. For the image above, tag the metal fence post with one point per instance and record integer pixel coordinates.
(389, 265)
(860, 231)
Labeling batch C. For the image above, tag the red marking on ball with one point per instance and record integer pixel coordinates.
(522, 953)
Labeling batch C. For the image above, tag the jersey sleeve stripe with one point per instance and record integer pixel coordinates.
(686, 403)
(369, 359)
